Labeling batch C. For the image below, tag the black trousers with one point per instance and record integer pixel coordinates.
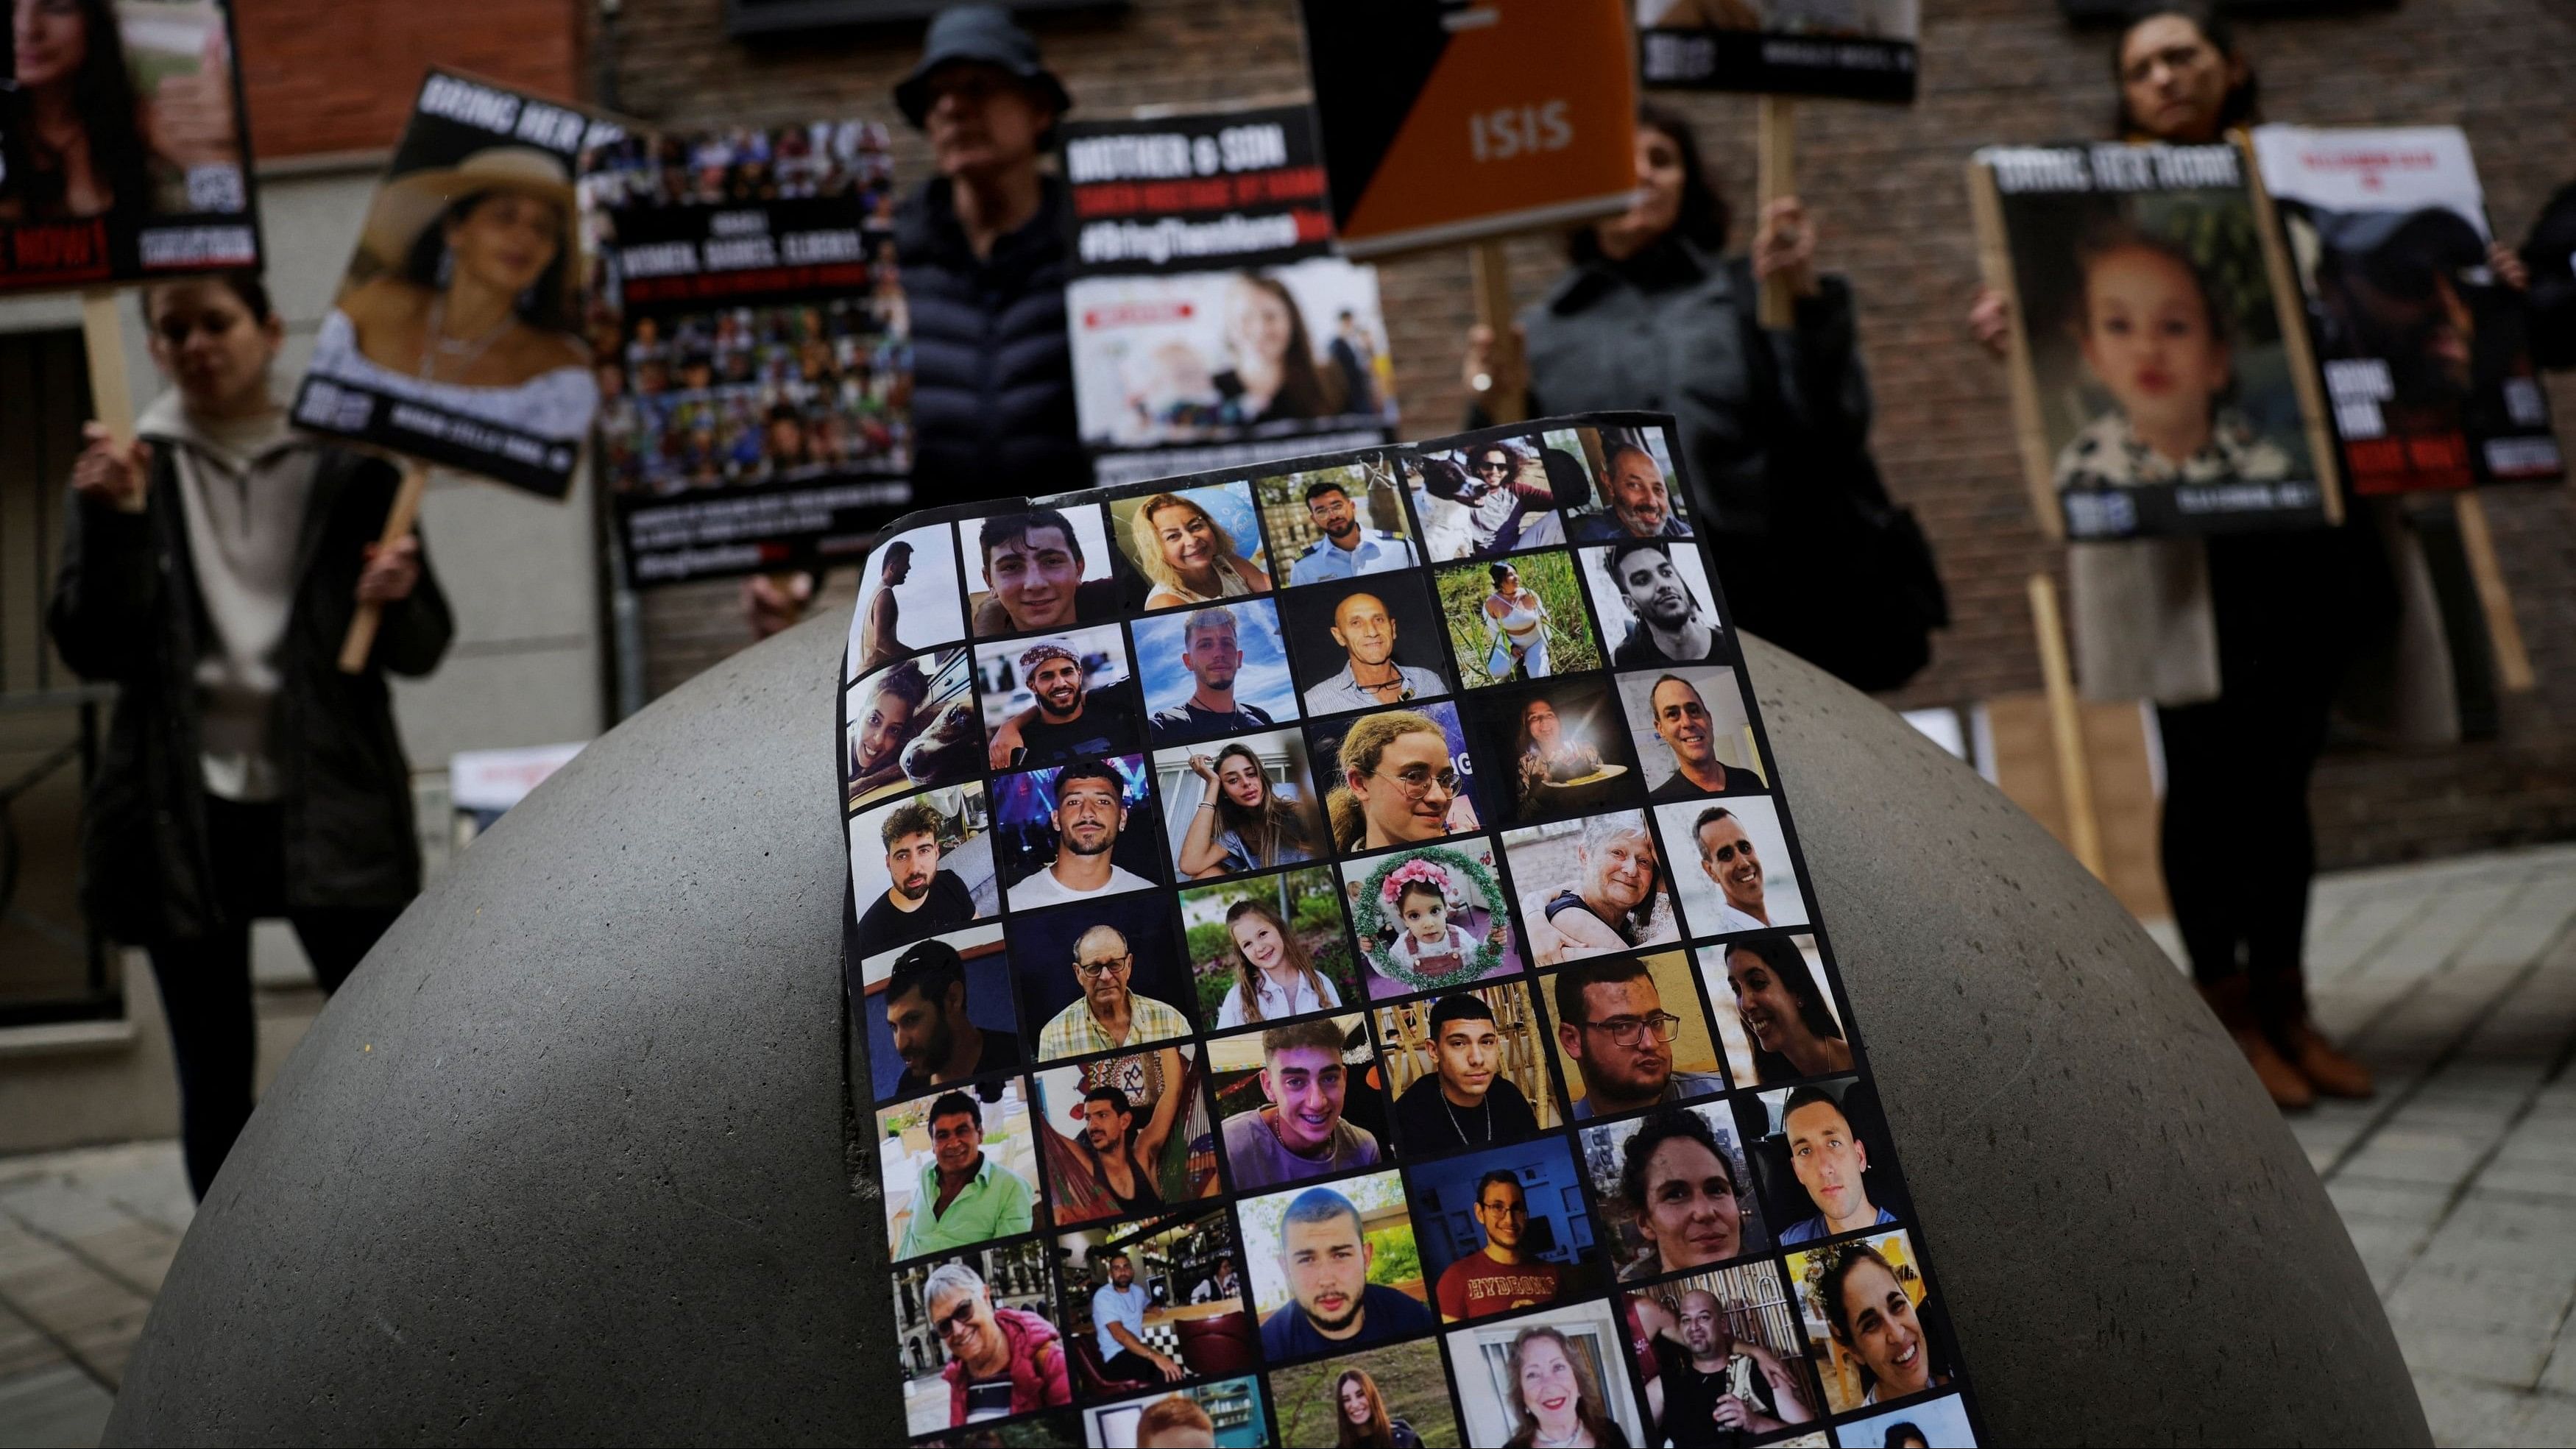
(205, 981)
(2293, 612)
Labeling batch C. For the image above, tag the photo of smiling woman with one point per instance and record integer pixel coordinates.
(462, 296)
(1189, 553)
(1589, 886)
(1242, 818)
(1883, 1338)
(1400, 782)
(1551, 1378)
(1784, 1027)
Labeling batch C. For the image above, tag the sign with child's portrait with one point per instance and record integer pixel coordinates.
(124, 152)
(2425, 349)
(2161, 382)
(1861, 50)
(458, 333)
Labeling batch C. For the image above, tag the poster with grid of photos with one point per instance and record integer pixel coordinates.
(1331, 952)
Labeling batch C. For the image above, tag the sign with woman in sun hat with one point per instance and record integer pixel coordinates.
(457, 333)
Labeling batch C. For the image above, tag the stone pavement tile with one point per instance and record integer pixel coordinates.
(2517, 1293)
(2425, 1155)
(104, 1349)
(2405, 1204)
(2496, 1354)
(22, 1347)
(2546, 1226)
(2387, 1250)
(2462, 1411)
(2560, 1376)
(52, 1207)
(67, 1299)
(52, 1407)
(2546, 1419)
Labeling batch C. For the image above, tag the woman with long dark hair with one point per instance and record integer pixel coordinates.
(2246, 642)
(1361, 1416)
(469, 306)
(1247, 820)
(1773, 422)
(1783, 1012)
(72, 141)
(1274, 377)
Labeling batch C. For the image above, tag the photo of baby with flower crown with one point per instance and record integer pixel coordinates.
(1431, 918)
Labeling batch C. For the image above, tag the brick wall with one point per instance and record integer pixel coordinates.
(331, 75)
(1886, 183)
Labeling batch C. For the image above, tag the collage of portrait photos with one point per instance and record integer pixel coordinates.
(1334, 966)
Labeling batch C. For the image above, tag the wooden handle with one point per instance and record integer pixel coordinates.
(2066, 727)
(398, 521)
(1494, 311)
(2513, 664)
(104, 340)
(1776, 175)
(2030, 431)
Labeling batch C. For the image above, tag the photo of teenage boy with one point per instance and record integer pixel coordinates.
(1673, 1188)
(1299, 1130)
(1346, 549)
(1638, 496)
(1684, 723)
(1663, 587)
(1384, 650)
(1715, 1389)
(1619, 1042)
(1501, 1230)
(1818, 1132)
(1465, 1099)
(1319, 1292)
(1742, 881)
(1090, 811)
(1219, 670)
(1074, 709)
(963, 1195)
(1107, 1012)
(929, 1023)
(1174, 1421)
(1036, 570)
(921, 867)
(1783, 1017)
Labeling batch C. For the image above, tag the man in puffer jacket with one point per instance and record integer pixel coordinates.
(983, 258)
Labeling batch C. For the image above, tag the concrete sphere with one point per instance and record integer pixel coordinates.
(571, 1158)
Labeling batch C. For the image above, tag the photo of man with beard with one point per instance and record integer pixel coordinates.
(1069, 717)
(1090, 811)
(925, 1012)
(1346, 550)
(1324, 1255)
(1664, 588)
(1719, 1390)
(921, 899)
(1639, 497)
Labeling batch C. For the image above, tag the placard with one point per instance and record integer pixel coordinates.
(1212, 325)
(124, 150)
(758, 359)
(2424, 349)
(1862, 50)
(1452, 123)
(1389, 992)
(458, 334)
(2161, 378)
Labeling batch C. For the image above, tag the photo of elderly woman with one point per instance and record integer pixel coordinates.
(1550, 1378)
(123, 111)
(464, 297)
(1196, 545)
(1592, 885)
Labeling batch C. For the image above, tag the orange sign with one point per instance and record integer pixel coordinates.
(1456, 121)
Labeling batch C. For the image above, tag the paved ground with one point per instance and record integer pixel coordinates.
(2455, 980)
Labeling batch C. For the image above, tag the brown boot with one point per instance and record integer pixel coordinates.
(2326, 1069)
(2231, 1002)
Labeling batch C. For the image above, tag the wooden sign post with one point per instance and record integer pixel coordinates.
(111, 401)
(2495, 601)
(2066, 726)
(1776, 176)
(1503, 404)
(361, 640)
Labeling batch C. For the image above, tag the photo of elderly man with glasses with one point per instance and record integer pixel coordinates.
(1618, 1039)
(1108, 1014)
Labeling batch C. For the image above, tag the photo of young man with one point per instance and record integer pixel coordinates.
(1347, 549)
(1612, 1027)
(1464, 1101)
(1123, 1149)
(1090, 811)
(1037, 574)
(1211, 654)
(1498, 1278)
(1299, 1131)
(1686, 727)
(1069, 716)
(1665, 591)
(1324, 1255)
(1118, 1317)
(1832, 1164)
(925, 1009)
(920, 898)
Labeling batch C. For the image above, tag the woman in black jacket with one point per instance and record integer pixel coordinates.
(1774, 422)
(209, 570)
